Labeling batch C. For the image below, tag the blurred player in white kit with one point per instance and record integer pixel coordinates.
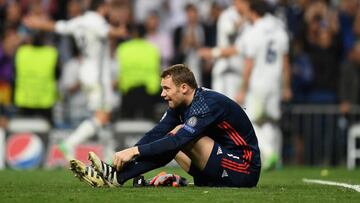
(227, 71)
(266, 79)
(91, 32)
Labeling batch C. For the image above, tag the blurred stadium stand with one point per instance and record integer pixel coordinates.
(317, 134)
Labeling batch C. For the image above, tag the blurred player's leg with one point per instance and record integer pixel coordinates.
(278, 141)
(106, 139)
(263, 141)
(276, 144)
(99, 99)
(271, 127)
(225, 79)
(232, 82)
(254, 106)
(219, 68)
(270, 146)
(83, 132)
(86, 129)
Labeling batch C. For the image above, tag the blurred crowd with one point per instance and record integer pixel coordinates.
(324, 49)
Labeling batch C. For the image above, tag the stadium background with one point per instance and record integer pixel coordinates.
(315, 124)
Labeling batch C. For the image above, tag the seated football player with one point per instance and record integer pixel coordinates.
(208, 134)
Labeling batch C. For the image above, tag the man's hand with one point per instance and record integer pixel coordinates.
(33, 22)
(240, 97)
(122, 157)
(177, 128)
(119, 32)
(205, 53)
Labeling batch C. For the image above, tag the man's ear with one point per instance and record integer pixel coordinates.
(184, 88)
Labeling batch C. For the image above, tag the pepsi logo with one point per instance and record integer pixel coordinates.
(24, 151)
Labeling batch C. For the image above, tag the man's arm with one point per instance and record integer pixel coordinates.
(190, 130)
(217, 52)
(65, 27)
(172, 142)
(287, 93)
(118, 32)
(38, 23)
(166, 124)
(248, 66)
(121, 157)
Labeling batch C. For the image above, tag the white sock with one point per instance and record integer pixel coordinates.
(278, 142)
(264, 142)
(273, 141)
(106, 138)
(84, 131)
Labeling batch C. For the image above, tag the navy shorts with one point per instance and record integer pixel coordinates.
(225, 169)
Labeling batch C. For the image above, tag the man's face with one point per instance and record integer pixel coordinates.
(171, 93)
(152, 22)
(242, 6)
(192, 16)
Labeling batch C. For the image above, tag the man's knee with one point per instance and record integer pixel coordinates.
(199, 151)
(199, 145)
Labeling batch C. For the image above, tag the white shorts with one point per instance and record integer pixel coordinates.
(262, 103)
(225, 79)
(97, 86)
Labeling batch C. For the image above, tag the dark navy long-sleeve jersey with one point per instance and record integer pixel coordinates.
(211, 114)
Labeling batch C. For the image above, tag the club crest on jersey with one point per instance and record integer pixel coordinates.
(192, 121)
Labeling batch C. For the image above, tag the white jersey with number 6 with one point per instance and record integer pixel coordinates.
(266, 43)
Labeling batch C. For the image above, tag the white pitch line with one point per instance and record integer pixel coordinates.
(325, 182)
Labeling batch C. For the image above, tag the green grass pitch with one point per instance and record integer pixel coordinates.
(284, 185)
